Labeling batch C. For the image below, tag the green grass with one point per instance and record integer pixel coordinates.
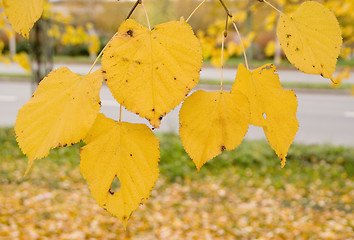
(251, 159)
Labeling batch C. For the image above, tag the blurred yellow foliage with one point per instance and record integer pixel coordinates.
(270, 49)
(216, 57)
(54, 32)
(239, 17)
(23, 60)
(346, 52)
(342, 75)
(94, 44)
(233, 49)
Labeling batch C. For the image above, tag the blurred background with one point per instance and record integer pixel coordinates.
(241, 194)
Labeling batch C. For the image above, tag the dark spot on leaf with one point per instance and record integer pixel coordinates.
(321, 75)
(103, 71)
(288, 35)
(222, 148)
(100, 103)
(105, 79)
(137, 62)
(160, 118)
(157, 68)
(124, 217)
(321, 65)
(131, 154)
(175, 78)
(313, 66)
(153, 109)
(65, 145)
(153, 128)
(297, 49)
(287, 44)
(130, 32)
(126, 81)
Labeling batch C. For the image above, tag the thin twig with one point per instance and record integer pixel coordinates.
(100, 54)
(222, 58)
(272, 6)
(133, 8)
(226, 9)
(147, 17)
(226, 25)
(195, 10)
(243, 47)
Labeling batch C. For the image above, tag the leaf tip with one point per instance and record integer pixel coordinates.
(283, 161)
(29, 166)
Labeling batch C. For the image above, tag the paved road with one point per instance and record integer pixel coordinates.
(324, 118)
(206, 73)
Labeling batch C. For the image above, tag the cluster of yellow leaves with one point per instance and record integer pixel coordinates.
(149, 72)
(211, 122)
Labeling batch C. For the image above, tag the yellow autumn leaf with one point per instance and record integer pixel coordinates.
(23, 60)
(272, 107)
(150, 72)
(22, 14)
(127, 151)
(311, 39)
(211, 122)
(60, 112)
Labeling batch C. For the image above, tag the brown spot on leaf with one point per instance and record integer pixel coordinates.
(222, 148)
(130, 32)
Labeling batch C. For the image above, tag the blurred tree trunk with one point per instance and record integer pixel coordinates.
(41, 51)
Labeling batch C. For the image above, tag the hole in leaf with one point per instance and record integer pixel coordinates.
(264, 116)
(115, 186)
